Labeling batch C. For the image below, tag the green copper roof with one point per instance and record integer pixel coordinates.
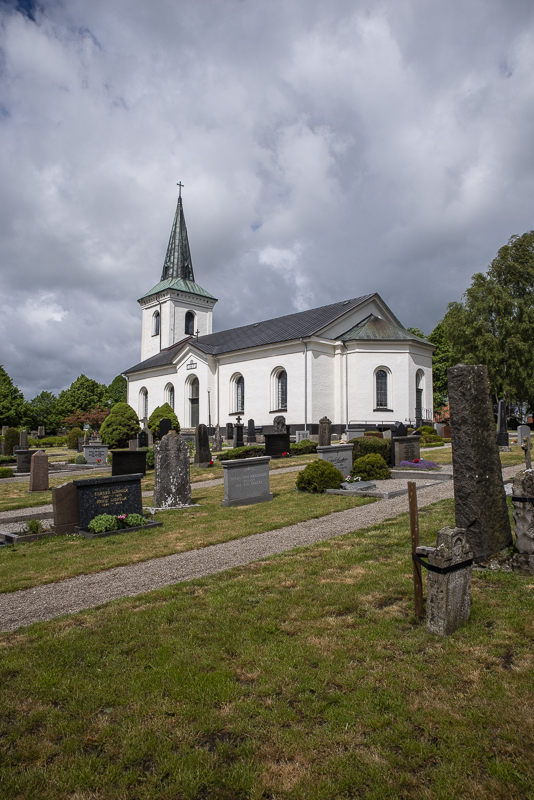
(178, 262)
(179, 285)
(373, 327)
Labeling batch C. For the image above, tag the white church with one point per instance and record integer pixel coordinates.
(351, 361)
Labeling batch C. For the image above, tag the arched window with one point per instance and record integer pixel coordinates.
(155, 323)
(240, 394)
(419, 397)
(381, 378)
(190, 323)
(193, 402)
(143, 403)
(169, 395)
(282, 390)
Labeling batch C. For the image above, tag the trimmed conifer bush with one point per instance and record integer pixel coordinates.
(159, 413)
(72, 438)
(120, 426)
(6, 472)
(364, 445)
(371, 468)
(11, 440)
(319, 476)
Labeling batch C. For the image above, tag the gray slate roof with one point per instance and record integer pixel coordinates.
(270, 331)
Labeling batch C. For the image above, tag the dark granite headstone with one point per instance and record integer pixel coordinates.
(165, 425)
(128, 462)
(279, 425)
(251, 431)
(325, 432)
(503, 439)
(24, 460)
(202, 447)
(142, 439)
(115, 495)
(479, 498)
(238, 435)
(65, 505)
(399, 429)
(276, 444)
(81, 442)
(229, 431)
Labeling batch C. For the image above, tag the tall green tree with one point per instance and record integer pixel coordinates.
(441, 361)
(42, 410)
(116, 391)
(11, 401)
(494, 322)
(82, 395)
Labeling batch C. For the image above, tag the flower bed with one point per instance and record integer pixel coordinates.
(418, 463)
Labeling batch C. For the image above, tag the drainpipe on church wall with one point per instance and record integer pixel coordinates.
(305, 385)
(217, 383)
(346, 389)
(160, 327)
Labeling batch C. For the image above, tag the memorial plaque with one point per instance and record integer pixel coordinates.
(24, 460)
(340, 455)
(96, 453)
(115, 495)
(405, 448)
(165, 425)
(246, 481)
(276, 444)
(128, 462)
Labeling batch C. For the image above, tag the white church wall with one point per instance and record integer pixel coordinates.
(363, 363)
(321, 377)
(150, 343)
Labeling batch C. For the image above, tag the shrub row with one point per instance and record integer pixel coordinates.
(248, 451)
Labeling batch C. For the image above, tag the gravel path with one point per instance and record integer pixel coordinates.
(21, 608)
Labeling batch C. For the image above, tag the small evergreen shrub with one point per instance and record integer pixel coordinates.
(248, 451)
(6, 472)
(376, 434)
(159, 413)
(103, 523)
(72, 438)
(427, 430)
(120, 426)
(11, 440)
(33, 526)
(80, 459)
(319, 476)
(53, 441)
(371, 468)
(364, 445)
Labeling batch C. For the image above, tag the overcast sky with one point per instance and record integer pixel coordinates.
(327, 150)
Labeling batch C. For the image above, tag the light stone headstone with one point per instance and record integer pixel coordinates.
(325, 432)
(39, 472)
(405, 448)
(448, 603)
(132, 444)
(246, 481)
(23, 440)
(172, 486)
(340, 455)
(4, 430)
(301, 435)
(522, 431)
(479, 497)
(96, 454)
(202, 447)
(218, 439)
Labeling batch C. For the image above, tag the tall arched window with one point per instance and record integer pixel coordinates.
(419, 397)
(155, 323)
(381, 378)
(143, 403)
(190, 323)
(169, 395)
(193, 402)
(282, 390)
(240, 394)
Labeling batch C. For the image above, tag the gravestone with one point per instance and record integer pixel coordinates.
(96, 453)
(405, 448)
(522, 431)
(325, 432)
(65, 506)
(246, 481)
(202, 447)
(23, 440)
(448, 603)
(81, 441)
(502, 433)
(1, 448)
(142, 439)
(479, 498)
(276, 444)
(251, 431)
(4, 430)
(132, 444)
(238, 435)
(217, 446)
(128, 462)
(340, 455)
(149, 434)
(114, 495)
(165, 425)
(24, 460)
(229, 431)
(172, 487)
(40, 431)
(523, 509)
(526, 445)
(301, 435)
(39, 472)
(279, 425)
(399, 429)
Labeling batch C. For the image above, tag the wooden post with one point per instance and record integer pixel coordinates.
(414, 527)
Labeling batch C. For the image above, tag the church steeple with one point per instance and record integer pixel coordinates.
(178, 262)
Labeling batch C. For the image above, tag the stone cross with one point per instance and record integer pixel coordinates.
(39, 472)
(479, 498)
(202, 447)
(526, 445)
(238, 420)
(172, 486)
(325, 432)
(448, 603)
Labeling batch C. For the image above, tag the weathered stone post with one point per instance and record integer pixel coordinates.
(172, 486)
(526, 445)
(448, 602)
(325, 432)
(39, 472)
(523, 505)
(479, 498)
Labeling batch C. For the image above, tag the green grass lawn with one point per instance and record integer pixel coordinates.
(443, 455)
(301, 677)
(34, 563)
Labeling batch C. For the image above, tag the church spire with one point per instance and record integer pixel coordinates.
(178, 262)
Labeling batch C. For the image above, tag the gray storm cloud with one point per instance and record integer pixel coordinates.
(326, 152)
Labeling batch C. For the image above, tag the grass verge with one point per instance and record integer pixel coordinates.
(300, 677)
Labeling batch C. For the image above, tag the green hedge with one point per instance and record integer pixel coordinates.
(8, 459)
(248, 451)
(365, 445)
(303, 448)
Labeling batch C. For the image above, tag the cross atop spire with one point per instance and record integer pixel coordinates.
(178, 262)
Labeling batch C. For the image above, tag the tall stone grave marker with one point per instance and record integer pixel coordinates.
(325, 432)
(142, 439)
(479, 498)
(238, 433)
(523, 510)
(4, 430)
(133, 444)
(218, 440)
(165, 425)
(448, 603)
(502, 432)
(202, 447)
(23, 440)
(39, 472)
(65, 506)
(40, 431)
(172, 486)
(251, 431)
(229, 431)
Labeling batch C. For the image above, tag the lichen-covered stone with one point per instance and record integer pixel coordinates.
(448, 602)
(523, 486)
(172, 486)
(479, 498)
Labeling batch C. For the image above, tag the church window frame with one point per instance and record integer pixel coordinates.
(192, 403)
(237, 394)
(189, 324)
(279, 389)
(382, 389)
(156, 323)
(143, 403)
(419, 396)
(170, 395)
